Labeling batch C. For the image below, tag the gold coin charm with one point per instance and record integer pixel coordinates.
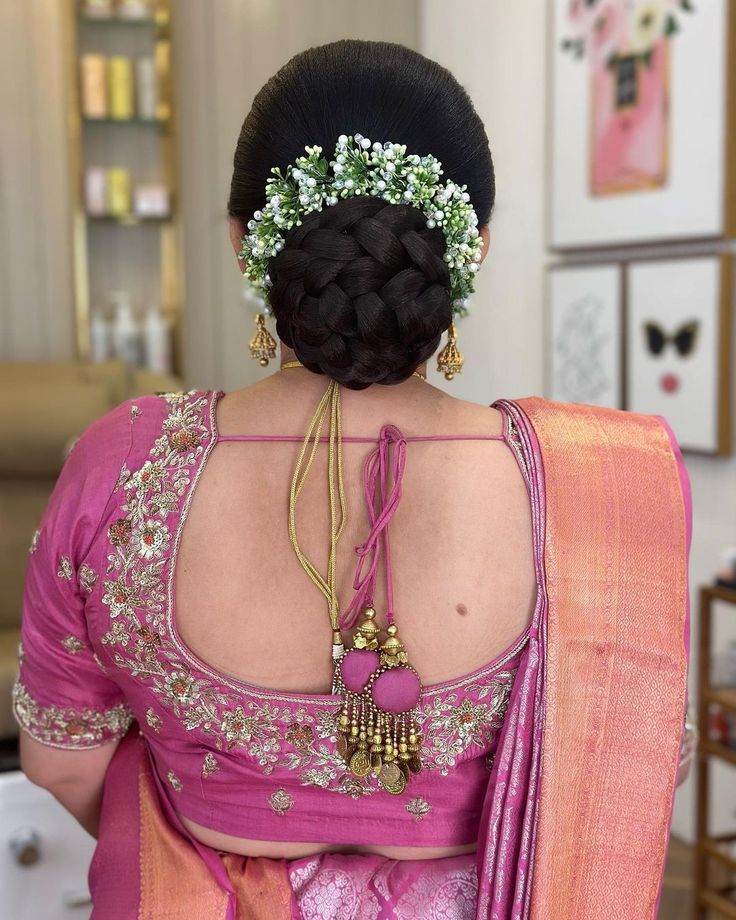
(392, 779)
(360, 764)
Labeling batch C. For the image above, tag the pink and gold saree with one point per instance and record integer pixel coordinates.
(576, 817)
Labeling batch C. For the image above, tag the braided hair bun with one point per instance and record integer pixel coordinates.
(361, 291)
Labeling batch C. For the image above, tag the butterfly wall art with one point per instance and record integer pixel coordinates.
(677, 347)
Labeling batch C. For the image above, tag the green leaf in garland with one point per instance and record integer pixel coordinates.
(671, 27)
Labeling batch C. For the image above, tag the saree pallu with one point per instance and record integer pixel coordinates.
(576, 819)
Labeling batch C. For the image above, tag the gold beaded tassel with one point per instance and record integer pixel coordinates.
(450, 360)
(388, 745)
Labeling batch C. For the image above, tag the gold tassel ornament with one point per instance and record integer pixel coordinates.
(378, 733)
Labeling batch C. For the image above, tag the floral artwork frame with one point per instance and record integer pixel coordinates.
(641, 149)
(678, 346)
(585, 334)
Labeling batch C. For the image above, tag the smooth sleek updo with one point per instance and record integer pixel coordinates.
(360, 290)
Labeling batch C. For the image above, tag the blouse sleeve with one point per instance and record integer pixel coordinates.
(690, 731)
(62, 697)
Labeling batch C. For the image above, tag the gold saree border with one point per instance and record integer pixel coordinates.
(175, 884)
(615, 558)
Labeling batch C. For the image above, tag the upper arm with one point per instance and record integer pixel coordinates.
(62, 697)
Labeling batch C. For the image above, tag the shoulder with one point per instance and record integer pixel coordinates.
(118, 442)
(560, 422)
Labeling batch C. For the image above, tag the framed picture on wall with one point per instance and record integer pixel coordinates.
(678, 332)
(585, 334)
(639, 121)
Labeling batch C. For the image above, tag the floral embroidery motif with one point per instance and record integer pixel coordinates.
(87, 578)
(419, 807)
(117, 634)
(153, 720)
(134, 412)
(301, 736)
(118, 533)
(209, 764)
(65, 569)
(281, 801)
(276, 732)
(34, 541)
(69, 728)
(152, 539)
(21, 653)
(73, 645)
(451, 724)
(176, 783)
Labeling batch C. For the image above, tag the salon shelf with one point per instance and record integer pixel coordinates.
(158, 21)
(716, 749)
(160, 123)
(129, 220)
(147, 264)
(712, 851)
(723, 696)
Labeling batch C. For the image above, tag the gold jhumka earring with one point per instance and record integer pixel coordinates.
(450, 360)
(262, 345)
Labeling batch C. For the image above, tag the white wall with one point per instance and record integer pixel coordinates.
(495, 50)
(498, 51)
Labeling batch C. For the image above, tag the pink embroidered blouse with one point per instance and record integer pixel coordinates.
(100, 648)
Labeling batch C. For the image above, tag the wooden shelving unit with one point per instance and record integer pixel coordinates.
(714, 853)
(138, 254)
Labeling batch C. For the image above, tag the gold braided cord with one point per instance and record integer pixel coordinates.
(330, 401)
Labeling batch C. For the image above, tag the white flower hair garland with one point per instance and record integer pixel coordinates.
(361, 167)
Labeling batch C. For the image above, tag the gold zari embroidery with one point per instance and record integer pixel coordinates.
(69, 728)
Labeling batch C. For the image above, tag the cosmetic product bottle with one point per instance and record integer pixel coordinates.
(99, 337)
(156, 342)
(146, 87)
(120, 87)
(95, 191)
(118, 191)
(93, 85)
(96, 9)
(125, 334)
(134, 9)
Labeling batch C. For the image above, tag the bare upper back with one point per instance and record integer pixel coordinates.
(461, 540)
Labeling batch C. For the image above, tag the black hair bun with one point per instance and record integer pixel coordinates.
(361, 291)
(361, 288)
